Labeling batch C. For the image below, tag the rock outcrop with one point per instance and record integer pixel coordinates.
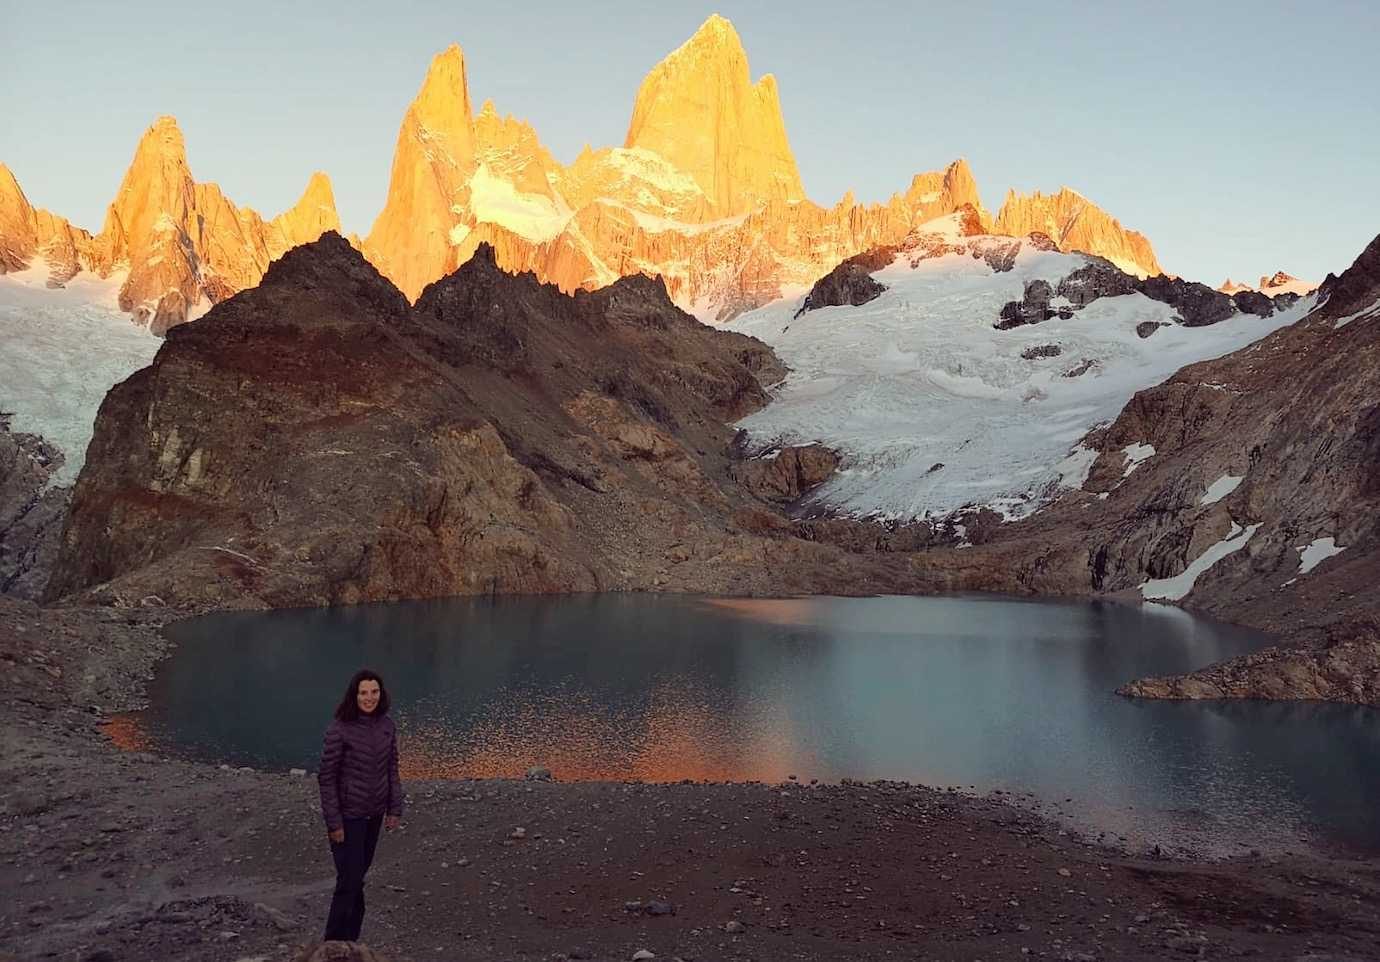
(317, 440)
(784, 475)
(850, 283)
(1032, 308)
(31, 512)
(1342, 664)
(1077, 224)
(1197, 304)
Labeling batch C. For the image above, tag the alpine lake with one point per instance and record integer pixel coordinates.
(977, 693)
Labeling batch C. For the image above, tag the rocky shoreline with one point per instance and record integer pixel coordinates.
(118, 855)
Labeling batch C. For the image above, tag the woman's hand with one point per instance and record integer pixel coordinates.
(391, 822)
(336, 835)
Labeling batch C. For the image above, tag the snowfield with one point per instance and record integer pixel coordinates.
(934, 409)
(60, 352)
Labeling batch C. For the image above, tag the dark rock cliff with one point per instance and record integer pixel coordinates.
(314, 440)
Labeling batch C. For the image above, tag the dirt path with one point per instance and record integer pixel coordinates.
(107, 856)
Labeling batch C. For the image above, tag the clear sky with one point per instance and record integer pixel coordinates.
(1242, 137)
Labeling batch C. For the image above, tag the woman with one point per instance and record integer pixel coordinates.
(359, 790)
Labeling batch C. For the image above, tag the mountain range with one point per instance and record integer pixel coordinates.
(704, 192)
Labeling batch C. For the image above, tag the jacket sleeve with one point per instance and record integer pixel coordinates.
(395, 794)
(328, 777)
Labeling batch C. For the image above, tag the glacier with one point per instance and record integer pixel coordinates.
(934, 410)
(61, 350)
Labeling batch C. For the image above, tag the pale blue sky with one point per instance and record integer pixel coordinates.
(1242, 137)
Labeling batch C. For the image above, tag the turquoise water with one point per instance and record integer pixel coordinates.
(980, 693)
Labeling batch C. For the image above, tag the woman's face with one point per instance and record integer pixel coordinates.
(367, 696)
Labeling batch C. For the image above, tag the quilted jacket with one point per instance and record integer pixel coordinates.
(358, 774)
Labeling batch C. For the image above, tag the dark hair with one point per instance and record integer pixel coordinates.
(348, 709)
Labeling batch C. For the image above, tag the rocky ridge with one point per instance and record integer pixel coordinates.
(1077, 224)
(711, 201)
(705, 193)
(851, 282)
(27, 232)
(1282, 283)
(316, 440)
(1270, 285)
(1195, 304)
(181, 244)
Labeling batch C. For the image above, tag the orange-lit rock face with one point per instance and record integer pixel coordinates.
(705, 193)
(312, 215)
(700, 110)
(1077, 224)
(26, 232)
(18, 237)
(413, 241)
(183, 243)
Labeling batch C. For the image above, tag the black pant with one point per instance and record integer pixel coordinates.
(352, 859)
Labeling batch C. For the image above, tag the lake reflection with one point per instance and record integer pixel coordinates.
(989, 693)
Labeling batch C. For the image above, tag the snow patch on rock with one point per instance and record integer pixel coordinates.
(1135, 455)
(1220, 488)
(1074, 469)
(533, 216)
(1365, 312)
(1175, 588)
(1316, 552)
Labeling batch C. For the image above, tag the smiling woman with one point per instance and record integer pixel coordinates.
(359, 783)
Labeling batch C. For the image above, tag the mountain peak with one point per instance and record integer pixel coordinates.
(442, 105)
(163, 139)
(318, 184)
(332, 267)
(11, 194)
(699, 109)
(17, 235)
(433, 160)
(313, 215)
(716, 31)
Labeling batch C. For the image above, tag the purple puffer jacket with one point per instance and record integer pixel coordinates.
(359, 770)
